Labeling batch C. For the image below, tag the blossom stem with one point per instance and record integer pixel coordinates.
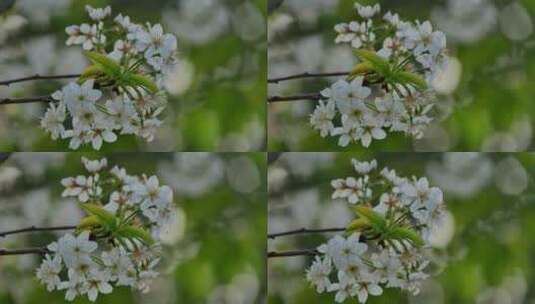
(314, 97)
(6, 101)
(292, 253)
(36, 229)
(36, 250)
(304, 231)
(37, 77)
(307, 75)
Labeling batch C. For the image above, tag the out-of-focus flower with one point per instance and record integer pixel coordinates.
(515, 22)
(40, 11)
(466, 21)
(192, 174)
(198, 21)
(511, 177)
(461, 174)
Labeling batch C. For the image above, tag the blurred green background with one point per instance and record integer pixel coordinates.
(216, 94)
(484, 252)
(486, 96)
(213, 254)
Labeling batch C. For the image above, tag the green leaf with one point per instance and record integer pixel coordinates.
(360, 69)
(413, 79)
(137, 80)
(109, 66)
(358, 224)
(133, 232)
(92, 71)
(402, 233)
(378, 63)
(376, 220)
(88, 222)
(104, 217)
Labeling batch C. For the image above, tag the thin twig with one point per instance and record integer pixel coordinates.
(37, 77)
(304, 231)
(292, 253)
(36, 229)
(306, 75)
(313, 97)
(6, 101)
(35, 250)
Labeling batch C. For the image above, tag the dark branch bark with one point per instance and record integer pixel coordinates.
(6, 5)
(304, 231)
(6, 101)
(273, 156)
(36, 250)
(4, 157)
(306, 75)
(273, 5)
(314, 97)
(36, 229)
(37, 77)
(292, 253)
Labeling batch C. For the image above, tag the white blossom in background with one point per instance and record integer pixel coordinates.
(466, 21)
(127, 100)
(40, 11)
(193, 174)
(118, 242)
(10, 25)
(462, 174)
(305, 164)
(373, 100)
(198, 21)
(386, 245)
(516, 22)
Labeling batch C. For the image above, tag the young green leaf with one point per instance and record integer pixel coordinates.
(137, 80)
(402, 233)
(88, 222)
(133, 232)
(358, 224)
(104, 217)
(360, 69)
(109, 66)
(378, 63)
(92, 71)
(377, 221)
(413, 79)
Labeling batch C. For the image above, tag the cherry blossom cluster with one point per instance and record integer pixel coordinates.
(118, 242)
(121, 93)
(386, 244)
(390, 89)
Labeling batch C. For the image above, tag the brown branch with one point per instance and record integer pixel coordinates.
(35, 250)
(6, 101)
(306, 75)
(292, 253)
(35, 229)
(304, 231)
(37, 77)
(314, 97)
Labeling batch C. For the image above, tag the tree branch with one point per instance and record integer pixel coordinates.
(292, 253)
(306, 75)
(273, 156)
(273, 5)
(314, 97)
(304, 231)
(6, 101)
(35, 250)
(35, 229)
(37, 77)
